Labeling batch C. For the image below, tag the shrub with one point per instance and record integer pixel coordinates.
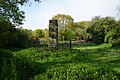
(116, 43)
(14, 68)
(7, 66)
(78, 74)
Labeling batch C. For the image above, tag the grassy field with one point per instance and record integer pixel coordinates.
(82, 62)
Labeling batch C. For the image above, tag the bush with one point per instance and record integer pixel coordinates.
(109, 37)
(7, 66)
(78, 74)
(14, 68)
(116, 43)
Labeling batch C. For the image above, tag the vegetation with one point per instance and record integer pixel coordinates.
(104, 29)
(95, 53)
(65, 23)
(83, 62)
(38, 33)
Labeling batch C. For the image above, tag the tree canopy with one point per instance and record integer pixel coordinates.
(10, 17)
(38, 33)
(100, 27)
(64, 22)
(10, 10)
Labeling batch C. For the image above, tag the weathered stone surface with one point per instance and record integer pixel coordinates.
(53, 33)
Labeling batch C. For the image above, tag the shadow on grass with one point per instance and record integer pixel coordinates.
(100, 57)
(27, 70)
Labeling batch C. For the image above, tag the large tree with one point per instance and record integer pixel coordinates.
(63, 21)
(10, 17)
(99, 28)
(10, 10)
(81, 30)
(46, 32)
(38, 33)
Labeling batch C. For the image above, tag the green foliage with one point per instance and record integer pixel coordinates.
(12, 37)
(15, 68)
(22, 38)
(6, 32)
(116, 43)
(7, 65)
(70, 31)
(10, 17)
(24, 68)
(83, 62)
(10, 10)
(65, 24)
(101, 27)
(61, 73)
(69, 35)
(46, 31)
(110, 36)
(81, 30)
(38, 33)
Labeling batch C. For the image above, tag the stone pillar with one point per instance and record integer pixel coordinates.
(53, 33)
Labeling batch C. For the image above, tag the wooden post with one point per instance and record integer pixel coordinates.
(70, 44)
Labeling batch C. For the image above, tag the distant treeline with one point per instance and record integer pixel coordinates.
(99, 30)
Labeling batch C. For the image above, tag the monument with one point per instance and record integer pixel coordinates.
(53, 33)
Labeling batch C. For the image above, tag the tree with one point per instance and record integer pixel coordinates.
(22, 38)
(10, 17)
(99, 28)
(38, 33)
(11, 37)
(63, 20)
(70, 31)
(6, 32)
(46, 32)
(118, 10)
(81, 30)
(10, 10)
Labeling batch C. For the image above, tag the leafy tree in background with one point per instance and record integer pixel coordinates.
(115, 35)
(110, 36)
(6, 32)
(81, 30)
(11, 37)
(118, 10)
(63, 20)
(46, 32)
(99, 28)
(78, 33)
(96, 30)
(22, 38)
(10, 10)
(10, 17)
(38, 33)
(70, 31)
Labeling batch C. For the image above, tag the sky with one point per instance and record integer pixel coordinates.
(38, 15)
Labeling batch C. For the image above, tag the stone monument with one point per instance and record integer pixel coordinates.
(53, 33)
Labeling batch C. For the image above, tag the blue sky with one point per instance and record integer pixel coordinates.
(38, 15)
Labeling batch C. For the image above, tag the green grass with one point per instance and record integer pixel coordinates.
(82, 62)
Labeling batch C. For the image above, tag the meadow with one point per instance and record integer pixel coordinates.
(82, 62)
